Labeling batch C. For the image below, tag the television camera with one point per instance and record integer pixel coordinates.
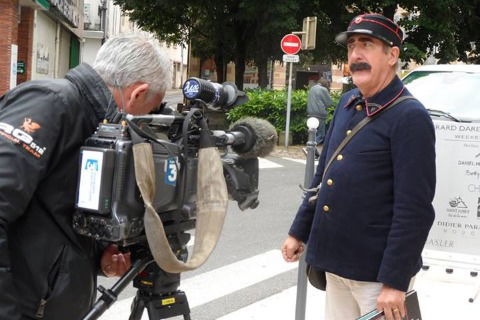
(110, 206)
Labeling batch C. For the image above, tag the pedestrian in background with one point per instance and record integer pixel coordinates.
(367, 224)
(47, 271)
(317, 103)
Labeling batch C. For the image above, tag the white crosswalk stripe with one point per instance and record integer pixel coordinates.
(267, 164)
(281, 306)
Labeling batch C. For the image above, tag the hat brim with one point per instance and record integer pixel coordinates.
(342, 37)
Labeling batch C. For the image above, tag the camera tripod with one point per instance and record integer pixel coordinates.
(157, 290)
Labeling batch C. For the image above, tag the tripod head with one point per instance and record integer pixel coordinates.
(157, 290)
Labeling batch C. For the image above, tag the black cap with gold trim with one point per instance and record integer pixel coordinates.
(374, 25)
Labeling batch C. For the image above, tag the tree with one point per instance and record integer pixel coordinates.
(228, 30)
(250, 30)
(447, 29)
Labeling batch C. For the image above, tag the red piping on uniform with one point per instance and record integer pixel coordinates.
(382, 24)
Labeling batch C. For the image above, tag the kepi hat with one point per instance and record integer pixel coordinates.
(374, 25)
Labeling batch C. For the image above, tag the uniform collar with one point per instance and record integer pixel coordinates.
(380, 100)
(354, 99)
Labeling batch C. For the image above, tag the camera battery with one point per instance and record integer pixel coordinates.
(96, 175)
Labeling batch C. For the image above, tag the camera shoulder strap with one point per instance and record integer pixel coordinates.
(212, 200)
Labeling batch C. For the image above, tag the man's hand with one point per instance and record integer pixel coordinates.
(113, 262)
(392, 302)
(292, 249)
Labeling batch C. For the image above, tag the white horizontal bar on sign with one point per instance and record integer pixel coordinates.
(291, 44)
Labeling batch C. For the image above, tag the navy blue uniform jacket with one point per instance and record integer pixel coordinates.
(374, 209)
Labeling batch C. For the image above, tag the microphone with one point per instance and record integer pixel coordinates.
(251, 137)
(224, 96)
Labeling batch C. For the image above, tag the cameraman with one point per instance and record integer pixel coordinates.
(47, 271)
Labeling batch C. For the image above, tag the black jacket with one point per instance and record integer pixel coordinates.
(47, 271)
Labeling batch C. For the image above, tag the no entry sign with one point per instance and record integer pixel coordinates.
(291, 44)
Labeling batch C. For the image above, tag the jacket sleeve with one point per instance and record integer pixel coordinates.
(413, 157)
(302, 223)
(28, 132)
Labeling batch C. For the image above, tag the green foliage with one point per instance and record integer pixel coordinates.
(272, 106)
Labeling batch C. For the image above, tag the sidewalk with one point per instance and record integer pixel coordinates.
(294, 152)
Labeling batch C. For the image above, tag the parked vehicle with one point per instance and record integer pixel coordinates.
(448, 91)
(451, 93)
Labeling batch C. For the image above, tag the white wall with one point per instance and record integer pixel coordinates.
(49, 58)
(89, 49)
(43, 59)
(64, 54)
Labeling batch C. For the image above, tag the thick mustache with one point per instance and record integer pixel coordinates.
(360, 66)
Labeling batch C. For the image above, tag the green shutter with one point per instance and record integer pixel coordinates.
(43, 3)
(74, 52)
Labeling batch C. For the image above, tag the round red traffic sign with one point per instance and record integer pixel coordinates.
(291, 44)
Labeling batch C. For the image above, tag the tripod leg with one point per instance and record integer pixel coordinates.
(138, 305)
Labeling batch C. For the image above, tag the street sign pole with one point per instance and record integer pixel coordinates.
(290, 45)
(289, 104)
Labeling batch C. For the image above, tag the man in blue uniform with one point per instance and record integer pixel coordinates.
(368, 226)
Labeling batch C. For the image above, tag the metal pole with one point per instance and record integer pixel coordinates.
(301, 303)
(289, 101)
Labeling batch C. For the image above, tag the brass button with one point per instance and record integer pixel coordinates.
(330, 182)
(326, 208)
(348, 132)
(339, 157)
(359, 107)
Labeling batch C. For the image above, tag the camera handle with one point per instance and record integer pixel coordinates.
(109, 296)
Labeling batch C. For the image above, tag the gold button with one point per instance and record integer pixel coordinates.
(348, 132)
(326, 208)
(359, 107)
(339, 157)
(330, 182)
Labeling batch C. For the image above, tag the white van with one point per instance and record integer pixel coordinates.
(451, 93)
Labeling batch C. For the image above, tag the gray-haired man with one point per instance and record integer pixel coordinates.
(47, 271)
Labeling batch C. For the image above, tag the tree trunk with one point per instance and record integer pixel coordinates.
(262, 72)
(240, 64)
(389, 11)
(239, 72)
(220, 66)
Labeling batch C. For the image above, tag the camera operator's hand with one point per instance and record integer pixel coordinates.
(113, 262)
(292, 249)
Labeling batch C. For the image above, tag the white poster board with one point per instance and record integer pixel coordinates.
(454, 239)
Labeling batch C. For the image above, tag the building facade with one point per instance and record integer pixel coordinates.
(45, 38)
(38, 39)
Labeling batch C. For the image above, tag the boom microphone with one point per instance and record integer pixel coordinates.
(251, 137)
